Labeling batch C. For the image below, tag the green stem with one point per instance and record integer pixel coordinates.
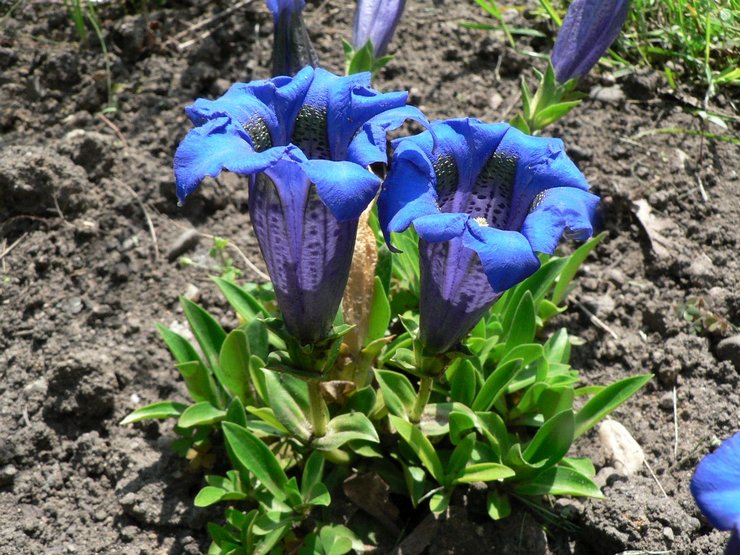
(337, 456)
(319, 410)
(425, 390)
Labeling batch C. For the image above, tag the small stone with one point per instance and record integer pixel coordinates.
(679, 160)
(192, 293)
(495, 101)
(187, 241)
(668, 534)
(608, 95)
(622, 449)
(616, 276)
(7, 474)
(729, 349)
(702, 270)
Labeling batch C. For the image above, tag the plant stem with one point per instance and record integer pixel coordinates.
(319, 410)
(425, 390)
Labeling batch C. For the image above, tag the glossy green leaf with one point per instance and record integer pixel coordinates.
(559, 480)
(182, 350)
(462, 378)
(257, 338)
(584, 466)
(156, 411)
(241, 301)
(380, 313)
(484, 472)
(569, 271)
(336, 539)
(460, 457)
(435, 419)
(415, 479)
(420, 445)
(285, 405)
(606, 401)
(233, 370)
(557, 347)
(199, 382)
(210, 495)
(398, 393)
(498, 505)
(439, 502)
(254, 455)
(344, 428)
(236, 413)
(209, 333)
(552, 441)
(200, 414)
(529, 352)
(495, 385)
(523, 324)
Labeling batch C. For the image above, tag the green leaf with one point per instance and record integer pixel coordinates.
(266, 415)
(439, 502)
(210, 495)
(235, 412)
(156, 411)
(495, 385)
(484, 472)
(182, 350)
(559, 480)
(362, 59)
(584, 466)
(242, 302)
(258, 339)
(420, 445)
(200, 414)
(459, 458)
(569, 271)
(606, 401)
(462, 377)
(398, 393)
(415, 479)
(523, 324)
(255, 456)
(557, 347)
(336, 539)
(435, 418)
(344, 428)
(380, 313)
(497, 505)
(209, 333)
(552, 440)
(233, 370)
(551, 114)
(199, 381)
(285, 405)
(529, 352)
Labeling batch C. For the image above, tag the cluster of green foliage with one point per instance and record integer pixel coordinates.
(503, 411)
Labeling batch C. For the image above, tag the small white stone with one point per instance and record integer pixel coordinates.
(625, 453)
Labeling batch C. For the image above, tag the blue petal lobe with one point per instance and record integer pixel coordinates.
(716, 485)
(506, 256)
(344, 187)
(558, 211)
(215, 146)
(436, 228)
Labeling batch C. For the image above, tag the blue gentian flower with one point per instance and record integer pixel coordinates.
(376, 20)
(589, 29)
(292, 49)
(716, 489)
(306, 143)
(483, 199)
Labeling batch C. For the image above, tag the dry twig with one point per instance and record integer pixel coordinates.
(149, 222)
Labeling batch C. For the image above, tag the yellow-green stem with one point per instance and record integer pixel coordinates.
(425, 390)
(319, 410)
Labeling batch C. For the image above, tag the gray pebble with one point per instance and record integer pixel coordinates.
(729, 349)
(187, 241)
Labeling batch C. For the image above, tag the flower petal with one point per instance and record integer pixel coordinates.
(506, 256)
(369, 144)
(558, 211)
(215, 146)
(436, 228)
(344, 187)
(716, 485)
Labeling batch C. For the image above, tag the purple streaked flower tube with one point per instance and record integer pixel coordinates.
(483, 199)
(376, 20)
(292, 48)
(589, 29)
(306, 143)
(716, 489)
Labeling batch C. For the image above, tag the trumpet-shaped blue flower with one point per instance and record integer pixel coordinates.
(716, 488)
(292, 48)
(589, 29)
(483, 199)
(376, 20)
(306, 142)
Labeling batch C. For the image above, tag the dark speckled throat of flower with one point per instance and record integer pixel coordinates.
(306, 143)
(484, 198)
